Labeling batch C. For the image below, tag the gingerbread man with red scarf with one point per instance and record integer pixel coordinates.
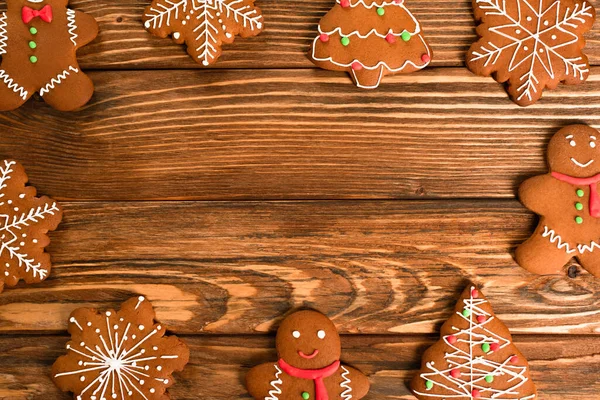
(38, 44)
(309, 367)
(568, 203)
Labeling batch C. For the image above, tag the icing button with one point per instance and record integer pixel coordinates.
(305, 395)
(345, 41)
(380, 11)
(485, 347)
(33, 59)
(579, 193)
(405, 36)
(33, 30)
(578, 219)
(32, 44)
(428, 385)
(578, 206)
(489, 378)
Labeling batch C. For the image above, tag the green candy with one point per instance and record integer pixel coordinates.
(579, 220)
(485, 347)
(405, 36)
(466, 313)
(33, 59)
(305, 395)
(345, 41)
(32, 44)
(33, 30)
(428, 385)
(489, 378)
(578, 206)
(380, 11)
(579, 193)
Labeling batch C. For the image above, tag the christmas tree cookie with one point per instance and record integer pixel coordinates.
(24, 223)
(203, 25)
(474, 359)
(119, 355)
(568, 202)
(38, 44)
(370, 39)
(531, 44)
(309, 367)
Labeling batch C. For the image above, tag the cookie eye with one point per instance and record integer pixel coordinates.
(296, 334)
(572, 143)
(321, 334)
(592, 144)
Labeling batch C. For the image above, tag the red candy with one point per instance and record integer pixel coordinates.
(475, 394)
(474, 292)
(451, 339)
(324, 37)
(425, 58)
(390, 38)
(345, 3)
(356, 66)
(495, 346)
(514, 359)
(481, 319)
(455, 373)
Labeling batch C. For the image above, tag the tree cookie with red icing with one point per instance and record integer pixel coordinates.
(475, 358)
(568, 203)
(24, 223)
(119, 355)
(370, 39)
(203, 25)
(38, 44)
(309, 367)
(531, 44)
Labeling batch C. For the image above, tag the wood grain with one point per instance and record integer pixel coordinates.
(218, 365)
(290, 134)
(237, 268)
(290, 27)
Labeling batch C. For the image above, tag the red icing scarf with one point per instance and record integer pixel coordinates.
(591, 182)
(316, 375)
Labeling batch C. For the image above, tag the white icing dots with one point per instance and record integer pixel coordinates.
(518, 31)
(228, 35)
(296, 334)
(89, 324)
(159, 368)
(546, 23)
(108, 313)
(147, 24)
(176, 35)
(155, 348)
(525, 48)
(204, 62)
(152, 390)
(321, 334)
(22, 196)
(572, 143)
(541, 50)
(9, 201)
(34, 240)
(553, 37)
(592, 145)
(141, 327)
(529, 18)
(82, 378)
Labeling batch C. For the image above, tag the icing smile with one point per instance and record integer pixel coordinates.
(587, 164)
(309, 356)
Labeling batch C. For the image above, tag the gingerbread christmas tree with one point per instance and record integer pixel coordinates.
(370, 39)
(475, 358)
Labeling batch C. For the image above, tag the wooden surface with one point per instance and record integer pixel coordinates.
(230, 196)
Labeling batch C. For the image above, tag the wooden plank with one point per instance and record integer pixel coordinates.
(237, 268)
(563, 367)
(290, 27)
(290, 134)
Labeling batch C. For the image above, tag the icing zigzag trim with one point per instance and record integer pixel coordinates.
(556, 239)
(3, 33)
(346, 394)
(276, 389)
(55, 81)
(72, 25)
(14, 86)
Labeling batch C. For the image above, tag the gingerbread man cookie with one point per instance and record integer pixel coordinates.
(203, 25)
(119, 355)
(38, 42)
(531, 44)
(568, 203)
(474, 359)
(309, 367)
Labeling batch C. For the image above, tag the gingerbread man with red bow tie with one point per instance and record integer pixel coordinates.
(38, 44)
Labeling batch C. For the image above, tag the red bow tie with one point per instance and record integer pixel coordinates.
(45, 14)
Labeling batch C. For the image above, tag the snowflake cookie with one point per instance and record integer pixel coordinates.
(474, 359)
(203, 25)
(531, 44)
(119, 355)
(24, 222)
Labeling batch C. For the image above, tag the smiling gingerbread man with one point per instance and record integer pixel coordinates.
(568, 203)
(309, 368)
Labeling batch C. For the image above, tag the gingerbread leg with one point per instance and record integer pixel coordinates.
(367, 78)
(539, 256)
(12, 95)
(69, 90)
(591, 262)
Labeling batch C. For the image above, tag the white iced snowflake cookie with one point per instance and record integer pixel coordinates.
(531, 44)
(119, 355)
(203, 25)
(24, 223)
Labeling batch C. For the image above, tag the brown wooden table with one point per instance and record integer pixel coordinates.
(229, 196)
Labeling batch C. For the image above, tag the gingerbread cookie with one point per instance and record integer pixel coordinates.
(203, 25)
(38, 42)
(24, 222)
(309, 367)
(531, 44)
(119, 355)
(474, 359)
(568, 203)
(370, 39)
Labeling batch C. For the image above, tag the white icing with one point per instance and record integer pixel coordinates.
(475, 369)
(72, 25)
(276, 391)
(557, 240)
(14, 86)
(491, 52)
(57, 80)
(296, 334)
(381, 64)
(582, 165)
(3, 33)
(321, 334)
(345, 384)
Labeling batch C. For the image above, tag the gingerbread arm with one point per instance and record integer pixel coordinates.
(82, 27)
(263, 380)
(357, 381)
(535, 193)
